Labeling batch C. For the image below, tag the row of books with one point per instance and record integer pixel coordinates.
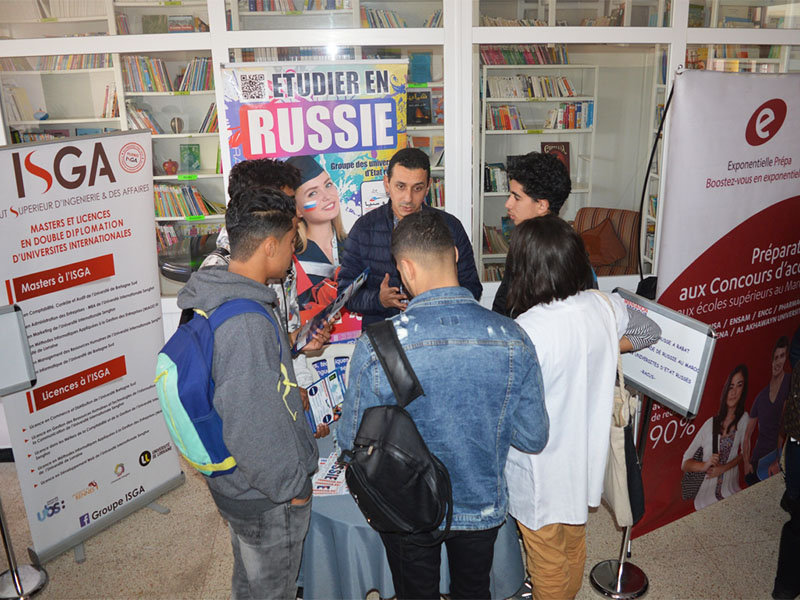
(524, 54)
(425, 107)
(571, 115)
(210, 122)
(295, 54)
(493, 272)
(494, 240)
(379, 18)
(141, 118)
(165, 236)
(145, 74)
(504, 117)
(53, 9)
(198, 75)
(495, 178)
(182, 201)
(487, 21)
(19, 137)
(435, 197)
(652, 206)
(435, 20)
(432, 145)
(65, 62)
(530, 86)
(294, 5)
(110, 102)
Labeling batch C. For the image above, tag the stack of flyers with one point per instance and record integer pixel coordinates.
(325, 397)
(329, 480)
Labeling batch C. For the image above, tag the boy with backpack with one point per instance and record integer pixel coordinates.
(266, 499)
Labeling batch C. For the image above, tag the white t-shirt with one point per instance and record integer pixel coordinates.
(577, 343)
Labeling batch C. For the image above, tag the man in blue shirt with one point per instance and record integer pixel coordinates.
(483, 393)
(407, 180)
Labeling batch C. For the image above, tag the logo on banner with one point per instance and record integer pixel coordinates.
(119, 471)
(89, 489)
(51, 508)
(84, 519)
(765, 122)
(145, 458)
(67, 171)
(132, 157)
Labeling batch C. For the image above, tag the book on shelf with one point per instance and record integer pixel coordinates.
(434, 20)
(68, 62)
(180, 23)
(123, 28)
(379, 18)
(20, 104)
(559, 149)
(165, 236)
(571, 115)
(15, 63)
(210, 122)
(493, 272)
(182, 201)
(145, 74)
(418, 107)
(197, 76)
(652, 206)
(190, 157)
(154, 23)
(504, 117)
(529, 86)
(524, 54)
(437, 105)
(435, 197)
(495, 178)
(494, 240)
(110, 102)
(88, 130)
(419, 67)
(488, 21)
(54, 9)
(140, 118)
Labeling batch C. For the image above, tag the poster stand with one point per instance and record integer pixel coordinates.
(20, 581)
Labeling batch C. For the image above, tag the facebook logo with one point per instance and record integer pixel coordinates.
(84, 520)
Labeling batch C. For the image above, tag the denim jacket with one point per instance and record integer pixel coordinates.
(483, 393)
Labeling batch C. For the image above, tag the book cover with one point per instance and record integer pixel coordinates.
(419, 67)
(419, 108)
(437, 106)
(190, 157)
(88, 131)
(559, 149)
(180, 23)
(154, 23)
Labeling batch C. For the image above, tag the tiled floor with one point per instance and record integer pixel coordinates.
(726, 551)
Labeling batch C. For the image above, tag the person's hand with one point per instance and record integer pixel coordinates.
(320, 337)
(748, 468)
(391, 297)
(711, 463)
(774, 468)
(322, 431)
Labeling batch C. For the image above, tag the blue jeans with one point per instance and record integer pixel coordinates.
(267, 549)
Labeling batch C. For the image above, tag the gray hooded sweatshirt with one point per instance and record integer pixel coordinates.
(263, 428)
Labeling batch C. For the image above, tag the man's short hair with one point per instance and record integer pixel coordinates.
(410, 158)
(542, 177)
(262, 172)
(548, 261)
(423, 235)
(255, 214)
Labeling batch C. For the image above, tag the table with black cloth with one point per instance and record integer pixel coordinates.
(343, 557)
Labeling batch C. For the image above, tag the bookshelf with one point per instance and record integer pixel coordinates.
(133, 17)
(524, 107)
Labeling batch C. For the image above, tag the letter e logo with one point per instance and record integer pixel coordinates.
(765, 122)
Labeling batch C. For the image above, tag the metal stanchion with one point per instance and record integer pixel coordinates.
(619, 579)
(20, 581)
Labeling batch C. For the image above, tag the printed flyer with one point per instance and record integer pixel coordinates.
(730, 257)
(79, 259)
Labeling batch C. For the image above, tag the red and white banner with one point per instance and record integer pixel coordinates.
(78, 250)
(730, 257)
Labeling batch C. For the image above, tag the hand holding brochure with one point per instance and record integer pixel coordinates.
(306, 333)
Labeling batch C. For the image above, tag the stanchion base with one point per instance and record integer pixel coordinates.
(32, 580)
(605, 578)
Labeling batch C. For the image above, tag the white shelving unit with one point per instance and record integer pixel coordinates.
(496, 145)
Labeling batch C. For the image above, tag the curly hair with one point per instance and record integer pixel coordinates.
(262, 172)
(542, 176)
(255, 214)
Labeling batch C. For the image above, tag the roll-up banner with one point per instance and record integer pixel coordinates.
(78, 250)
(350, 116)
(730, 257)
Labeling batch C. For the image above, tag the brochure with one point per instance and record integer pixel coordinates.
(329, 479)
(325, 397)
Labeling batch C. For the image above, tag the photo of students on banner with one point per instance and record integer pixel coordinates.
(338, 124)
(731, 259)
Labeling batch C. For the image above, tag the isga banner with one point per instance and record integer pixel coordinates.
(350, 116)
(78, 254)
(730, 257)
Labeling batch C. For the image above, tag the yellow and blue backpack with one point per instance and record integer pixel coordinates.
(186, 389)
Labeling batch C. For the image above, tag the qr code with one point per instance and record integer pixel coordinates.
(253, 86)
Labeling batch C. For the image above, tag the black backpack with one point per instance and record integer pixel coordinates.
(399, 485)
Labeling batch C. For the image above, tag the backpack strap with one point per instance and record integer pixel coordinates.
(239, 306)
(401, 376)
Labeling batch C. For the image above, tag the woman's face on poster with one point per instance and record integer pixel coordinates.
(735, 390)
(317, 200)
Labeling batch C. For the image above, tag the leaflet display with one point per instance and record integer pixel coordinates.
(673, 370)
